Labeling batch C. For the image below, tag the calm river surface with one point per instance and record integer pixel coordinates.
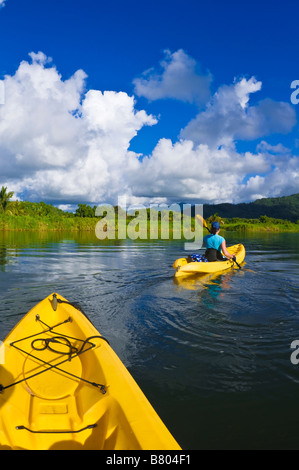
(212, 357)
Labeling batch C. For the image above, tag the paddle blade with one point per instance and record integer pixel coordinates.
(202, 221)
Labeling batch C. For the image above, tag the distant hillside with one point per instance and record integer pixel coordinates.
(286, 207)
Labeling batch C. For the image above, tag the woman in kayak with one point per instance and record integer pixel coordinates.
(215, 244)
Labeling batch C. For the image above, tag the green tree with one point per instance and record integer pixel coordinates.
(215, 218)
(4, 198)
(85, 211)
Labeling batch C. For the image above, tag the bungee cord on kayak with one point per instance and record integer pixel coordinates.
(47, 343)
(71, 381)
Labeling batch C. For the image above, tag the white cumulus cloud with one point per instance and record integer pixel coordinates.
(229, 116)
(62, 142)
(180, 78)
(199, 173)
(59, 141)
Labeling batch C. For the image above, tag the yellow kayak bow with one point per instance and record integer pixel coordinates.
(63, 387)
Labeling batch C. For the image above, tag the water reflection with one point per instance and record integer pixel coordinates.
(3, 257)
(214, 282)
(193, 344)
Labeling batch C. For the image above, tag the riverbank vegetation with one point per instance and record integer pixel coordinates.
(261, 224)
(40, 217)
(24, 215)
(283, 208)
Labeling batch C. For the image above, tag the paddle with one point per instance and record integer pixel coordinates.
(202, 221)
(234, 259)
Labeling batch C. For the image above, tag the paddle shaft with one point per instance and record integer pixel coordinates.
(234, 259)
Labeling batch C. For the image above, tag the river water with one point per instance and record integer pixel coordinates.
(212, 356)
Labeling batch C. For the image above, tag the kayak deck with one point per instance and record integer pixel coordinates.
(183, 267)
(63, 387)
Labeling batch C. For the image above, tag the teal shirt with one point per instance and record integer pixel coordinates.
(213, 241)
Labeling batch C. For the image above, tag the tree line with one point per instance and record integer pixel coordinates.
(41, 209)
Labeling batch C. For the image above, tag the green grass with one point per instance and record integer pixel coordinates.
(262, 224)
(27, 216)
(43, 223)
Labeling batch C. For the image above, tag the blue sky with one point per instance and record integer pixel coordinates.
(158, 101)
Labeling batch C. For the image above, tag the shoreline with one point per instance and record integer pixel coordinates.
(24, 223)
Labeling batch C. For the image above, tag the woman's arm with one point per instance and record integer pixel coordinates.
(224, 250)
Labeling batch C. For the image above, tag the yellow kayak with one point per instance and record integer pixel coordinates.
(63, 387)
(183, 267)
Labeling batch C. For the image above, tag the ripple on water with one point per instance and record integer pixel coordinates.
(208, 352)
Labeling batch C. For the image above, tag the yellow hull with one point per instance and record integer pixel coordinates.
(183, 267)
(63, 387)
